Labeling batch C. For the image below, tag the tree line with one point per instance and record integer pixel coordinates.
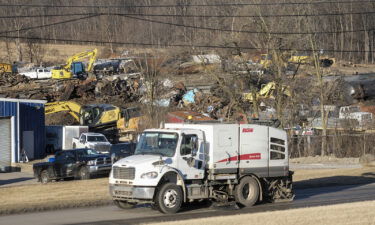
(343, 30)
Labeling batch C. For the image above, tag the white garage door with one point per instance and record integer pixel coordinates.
(5, 144)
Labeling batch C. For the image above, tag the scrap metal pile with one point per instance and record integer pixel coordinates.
(18, 86)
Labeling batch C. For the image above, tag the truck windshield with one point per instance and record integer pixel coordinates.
(96, 139)
(163, 144)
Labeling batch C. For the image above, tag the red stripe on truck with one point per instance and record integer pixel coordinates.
(252, 156)
(234, 158)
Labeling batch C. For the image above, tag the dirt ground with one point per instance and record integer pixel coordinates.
(351, 213)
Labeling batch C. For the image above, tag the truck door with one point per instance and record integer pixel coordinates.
(254, 150)
(82, 141)
(59, 161)
(191, 155)
(65, 164)
(278, 153)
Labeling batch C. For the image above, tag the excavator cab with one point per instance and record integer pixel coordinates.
(99, 115)
(78, 69)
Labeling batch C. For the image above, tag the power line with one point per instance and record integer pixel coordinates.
(240, 31)
(191, 15)
(172, 45)
(48, 25)
(49, 15)
(188, 5)
(241, 16)
(185, 26)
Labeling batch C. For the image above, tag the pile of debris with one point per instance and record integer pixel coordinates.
(90, 90)
(8, 79)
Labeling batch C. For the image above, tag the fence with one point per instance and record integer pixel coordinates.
(339, 145)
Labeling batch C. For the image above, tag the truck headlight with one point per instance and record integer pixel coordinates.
(150, 175)
(91, 163)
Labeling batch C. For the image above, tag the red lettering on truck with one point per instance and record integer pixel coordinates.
(247, 130)
(251, 156)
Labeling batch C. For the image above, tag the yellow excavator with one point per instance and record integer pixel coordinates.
(304, 58)
(129, 123)
(8, 68)
(74, 66)
(92, 115)
(101, 116)
(267, 91)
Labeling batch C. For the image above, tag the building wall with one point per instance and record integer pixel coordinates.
(9, 109)
(31, 118)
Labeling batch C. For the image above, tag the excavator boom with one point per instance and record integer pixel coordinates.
(80, 56)
(65, 71)
(64, 106)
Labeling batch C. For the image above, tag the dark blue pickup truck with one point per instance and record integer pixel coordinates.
(77, 163)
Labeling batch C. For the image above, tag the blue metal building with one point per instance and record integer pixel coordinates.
(22, 130)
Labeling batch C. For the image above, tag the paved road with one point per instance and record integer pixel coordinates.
(112, 215)
(17, 178)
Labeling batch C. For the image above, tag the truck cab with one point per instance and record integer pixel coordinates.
(94, 141)
(187, 162)
(38, 73)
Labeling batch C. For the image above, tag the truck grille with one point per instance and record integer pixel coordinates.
(103, 161)
(124, 173)
(102, 148)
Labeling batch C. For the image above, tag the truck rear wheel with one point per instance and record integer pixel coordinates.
(169, 198)
(44, 177)
(246, 193)
(123, 204)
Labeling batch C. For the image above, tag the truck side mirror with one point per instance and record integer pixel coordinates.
(195, 146)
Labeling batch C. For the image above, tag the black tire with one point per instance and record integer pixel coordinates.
(169, 198)
(44, 177)
(246, 193)
(74, 146)
(83, 173)
(123, 204)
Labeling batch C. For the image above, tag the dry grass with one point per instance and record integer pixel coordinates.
(54, 196)
(69, 194)
(59, 53)
(361, 213)
(325, 159)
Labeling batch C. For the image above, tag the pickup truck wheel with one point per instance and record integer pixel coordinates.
(44, 178)
(83, 173)
(246, 193)
(123, 204)
(169, 198)
(74, 146)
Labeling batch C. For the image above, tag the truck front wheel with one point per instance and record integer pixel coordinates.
(169, 198)
(246, 193)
